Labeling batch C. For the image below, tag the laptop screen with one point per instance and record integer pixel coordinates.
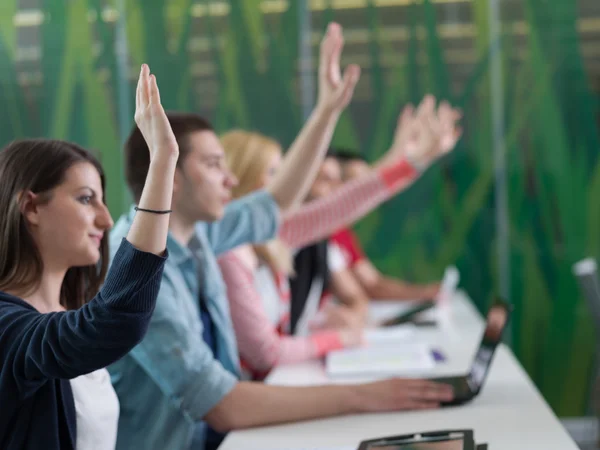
(497, 319)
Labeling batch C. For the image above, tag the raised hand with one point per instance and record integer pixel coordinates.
(335, 91)
(151, 119)
(424, 135)
(150, 227)
(450, 132)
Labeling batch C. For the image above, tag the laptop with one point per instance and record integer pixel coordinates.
(466, 387)
(414, 314)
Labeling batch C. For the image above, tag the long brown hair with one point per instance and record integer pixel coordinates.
(38, 166)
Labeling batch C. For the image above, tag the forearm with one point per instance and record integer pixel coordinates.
(149, 231)
(319, 218)
(348, 291)
(303, 159)
(254, 404)
(71, 343)
(357, 304)
(389, 288)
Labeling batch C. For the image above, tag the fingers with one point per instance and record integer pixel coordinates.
(427, 391)
(154, 93)
(458, 131)
(426, 107)
(138, 90)
(351, 77)
(337, 44)
(404, 122)
(445, 112)
(406, 114)
(142, 92)
(145, 85)
(427, 118)
(325, 51)
(447, 116)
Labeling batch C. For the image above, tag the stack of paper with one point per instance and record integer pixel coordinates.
(400, 359)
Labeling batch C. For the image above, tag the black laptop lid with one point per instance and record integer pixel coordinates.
(497, 319)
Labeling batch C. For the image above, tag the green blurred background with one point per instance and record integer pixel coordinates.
(68, 68)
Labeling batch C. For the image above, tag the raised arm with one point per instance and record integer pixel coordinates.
(421, 137)
(320, 218)
(303, 159)
(149, 230)
(68, 344)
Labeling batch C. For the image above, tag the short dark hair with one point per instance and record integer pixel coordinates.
(137, 157)
(38, 166)
(344, 154)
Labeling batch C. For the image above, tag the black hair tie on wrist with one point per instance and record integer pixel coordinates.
(153, 211)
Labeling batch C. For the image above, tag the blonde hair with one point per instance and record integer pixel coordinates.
(247, 155)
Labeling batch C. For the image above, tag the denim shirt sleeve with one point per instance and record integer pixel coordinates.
(179, 361)
(252, 218)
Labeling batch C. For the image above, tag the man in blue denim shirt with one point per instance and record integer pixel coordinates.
(179, 387)
(168, 383)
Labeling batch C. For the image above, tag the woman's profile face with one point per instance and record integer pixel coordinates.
(270, 170)
(68, 228)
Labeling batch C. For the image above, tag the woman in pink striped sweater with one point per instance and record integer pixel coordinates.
(256, 276)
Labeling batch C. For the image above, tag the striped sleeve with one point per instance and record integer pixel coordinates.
(320, 218)
(260, 345)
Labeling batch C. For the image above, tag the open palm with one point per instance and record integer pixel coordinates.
(426, 134)
(335, 91)
(151, 118)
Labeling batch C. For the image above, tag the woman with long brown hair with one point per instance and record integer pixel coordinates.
(54, 343)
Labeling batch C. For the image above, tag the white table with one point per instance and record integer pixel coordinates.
(509, 414)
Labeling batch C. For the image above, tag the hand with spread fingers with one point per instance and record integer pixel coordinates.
(335, 90)
(425, 134)
(302, 161)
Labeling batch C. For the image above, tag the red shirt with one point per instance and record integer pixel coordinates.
(348, 243)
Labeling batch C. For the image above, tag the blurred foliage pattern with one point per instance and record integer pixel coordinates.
(237, 62)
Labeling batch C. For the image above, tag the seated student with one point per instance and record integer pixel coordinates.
(257, 275)
(376, 285)
(54, 343)
(323, 270)
(322, 275)
(179, 387)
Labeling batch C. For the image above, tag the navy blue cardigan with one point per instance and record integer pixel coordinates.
(39, 353)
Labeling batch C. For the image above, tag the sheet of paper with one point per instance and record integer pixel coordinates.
(389, 335)
(398, 359)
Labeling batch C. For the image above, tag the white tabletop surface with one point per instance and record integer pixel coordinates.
(509, 413)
